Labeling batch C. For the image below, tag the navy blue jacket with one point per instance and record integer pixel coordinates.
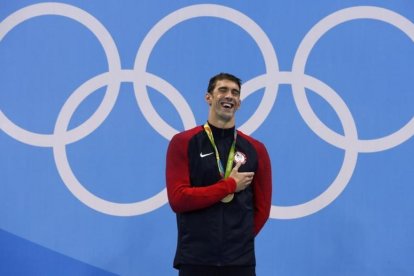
(211, 232)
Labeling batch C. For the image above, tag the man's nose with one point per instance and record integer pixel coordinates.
(228, 95)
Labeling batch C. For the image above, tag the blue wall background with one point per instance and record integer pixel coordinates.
(92, 91)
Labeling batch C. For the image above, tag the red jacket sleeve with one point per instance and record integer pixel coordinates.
(181, 195)
(262, 188)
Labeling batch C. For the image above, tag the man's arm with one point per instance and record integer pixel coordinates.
(262, 188)
(181, 195)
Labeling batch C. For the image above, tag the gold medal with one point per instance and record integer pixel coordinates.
(228, 198)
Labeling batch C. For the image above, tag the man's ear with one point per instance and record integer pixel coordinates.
(208, 98)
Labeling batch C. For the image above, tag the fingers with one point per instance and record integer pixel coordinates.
(247, 174)
(236, 168)
(244, 180)
(248, 178)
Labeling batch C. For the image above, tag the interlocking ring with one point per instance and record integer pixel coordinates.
(271, 80)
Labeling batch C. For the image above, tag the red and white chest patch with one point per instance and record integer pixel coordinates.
(240, 157)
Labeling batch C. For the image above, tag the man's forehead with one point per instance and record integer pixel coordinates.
(227, 83)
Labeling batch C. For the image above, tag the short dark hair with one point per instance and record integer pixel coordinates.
(222, 76)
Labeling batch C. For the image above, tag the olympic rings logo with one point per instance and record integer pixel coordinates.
(273, 77)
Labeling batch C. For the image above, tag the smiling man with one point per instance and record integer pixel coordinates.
(219, 184)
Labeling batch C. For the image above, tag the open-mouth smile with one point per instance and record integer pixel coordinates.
(227, 105)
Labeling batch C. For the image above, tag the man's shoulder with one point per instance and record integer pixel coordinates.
(187, 134)
(250, 139)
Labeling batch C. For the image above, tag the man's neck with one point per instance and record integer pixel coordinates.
(221, 124)
(221, 133)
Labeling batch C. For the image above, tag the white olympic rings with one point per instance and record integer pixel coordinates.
(298, 79)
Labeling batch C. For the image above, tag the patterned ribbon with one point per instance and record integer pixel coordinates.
(230, 159)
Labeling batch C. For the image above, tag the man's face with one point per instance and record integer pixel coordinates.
(224, 100)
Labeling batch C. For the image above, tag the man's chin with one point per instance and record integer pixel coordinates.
(227, 116)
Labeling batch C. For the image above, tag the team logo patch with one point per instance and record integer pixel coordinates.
(240, 157)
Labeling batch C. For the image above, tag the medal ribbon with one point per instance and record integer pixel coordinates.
(230, 158)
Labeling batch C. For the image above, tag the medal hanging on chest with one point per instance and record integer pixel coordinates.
(229, 166)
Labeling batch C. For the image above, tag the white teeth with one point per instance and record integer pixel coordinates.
(227, 105)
